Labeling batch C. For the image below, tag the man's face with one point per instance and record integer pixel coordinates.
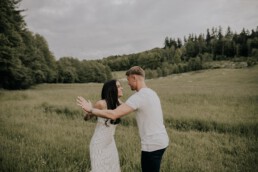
(131, 82)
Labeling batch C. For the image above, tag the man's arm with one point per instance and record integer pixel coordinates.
(120, 111)
(99, 105)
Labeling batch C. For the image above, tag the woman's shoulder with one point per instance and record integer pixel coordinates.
(101, 104)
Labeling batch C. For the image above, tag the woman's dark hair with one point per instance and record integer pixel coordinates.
(110, 95)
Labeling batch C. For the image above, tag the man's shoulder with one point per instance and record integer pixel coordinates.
(148, 91)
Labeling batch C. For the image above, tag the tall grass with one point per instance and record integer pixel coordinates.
(211, 118)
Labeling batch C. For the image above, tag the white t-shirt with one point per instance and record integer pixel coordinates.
(149, 119)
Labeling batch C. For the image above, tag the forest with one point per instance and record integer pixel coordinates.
(26, 60)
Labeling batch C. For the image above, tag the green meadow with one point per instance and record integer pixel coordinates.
(211, 117)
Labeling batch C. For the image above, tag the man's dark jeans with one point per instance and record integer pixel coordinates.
(151, 161)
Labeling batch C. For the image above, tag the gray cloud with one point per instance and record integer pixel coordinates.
(91, 29)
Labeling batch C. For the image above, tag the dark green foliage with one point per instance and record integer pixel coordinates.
(95, 72)
(67, 70)
(194, 64)
(25, 58)
(11, 25)
(176, 57)
(71, 70)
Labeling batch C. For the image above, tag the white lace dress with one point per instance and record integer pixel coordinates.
(103, 152)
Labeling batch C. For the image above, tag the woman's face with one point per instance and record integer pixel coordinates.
(119, 89)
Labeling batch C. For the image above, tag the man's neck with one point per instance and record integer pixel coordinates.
(141, 85)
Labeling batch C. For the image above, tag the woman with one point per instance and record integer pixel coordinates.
(103, 151)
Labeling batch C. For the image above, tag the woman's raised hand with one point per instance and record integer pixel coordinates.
(84, 104)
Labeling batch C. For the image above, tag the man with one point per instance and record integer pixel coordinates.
(149, 117)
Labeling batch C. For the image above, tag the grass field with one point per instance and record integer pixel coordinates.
(211, 117)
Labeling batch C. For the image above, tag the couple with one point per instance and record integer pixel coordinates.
(109, 110)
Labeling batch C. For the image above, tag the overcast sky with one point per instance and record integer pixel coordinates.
(93, 29)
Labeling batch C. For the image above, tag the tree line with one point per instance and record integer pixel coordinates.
(179, 56)
(25, 58)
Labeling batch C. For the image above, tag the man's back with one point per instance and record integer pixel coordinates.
(149, 119)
